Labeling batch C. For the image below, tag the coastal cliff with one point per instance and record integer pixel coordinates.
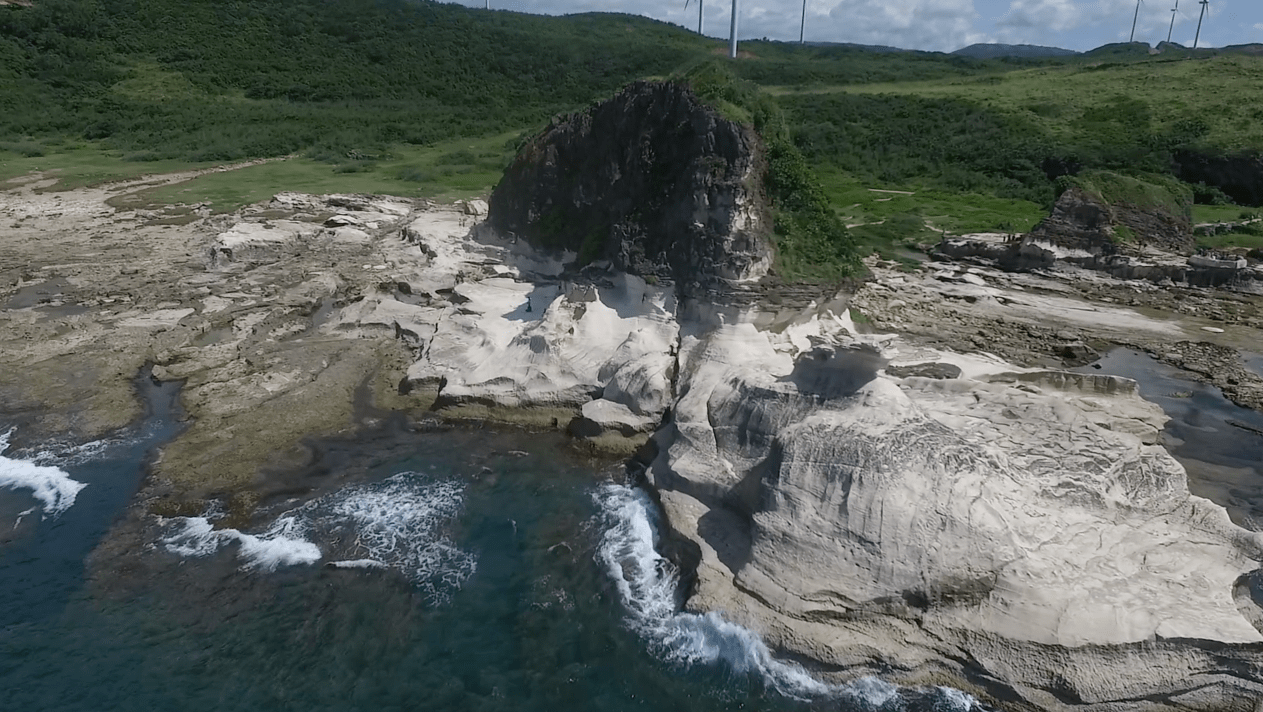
(652, 180)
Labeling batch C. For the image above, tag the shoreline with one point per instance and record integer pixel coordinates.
(310, 320)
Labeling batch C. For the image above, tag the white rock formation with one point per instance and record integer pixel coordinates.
(1008, 531)
(601, 416)
(1021, 520)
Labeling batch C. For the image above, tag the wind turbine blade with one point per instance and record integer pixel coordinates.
(732, 33)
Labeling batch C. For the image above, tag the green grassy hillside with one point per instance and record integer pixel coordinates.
(430, 99)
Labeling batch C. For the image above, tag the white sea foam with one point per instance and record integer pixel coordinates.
(357, 564)
(398, 524)
(52, 486)
(282, 544)
(957, 700)
(649, 584)
(59, 454)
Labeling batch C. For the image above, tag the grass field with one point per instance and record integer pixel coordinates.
(84, 163)
(1250, 239)
(1222, 94)
(860, 203)
(1223, 213)
(445, 171)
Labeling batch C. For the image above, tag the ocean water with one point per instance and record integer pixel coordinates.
(445, 570)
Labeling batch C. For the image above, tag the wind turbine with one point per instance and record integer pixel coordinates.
(732, 33)
(1133, 22)
(1172, 27)
(802, 30)
(699, 13)
(1199, 22)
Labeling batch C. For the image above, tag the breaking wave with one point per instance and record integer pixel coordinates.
(52, 486)
(282, 544)
(398, 524)
(648, 584)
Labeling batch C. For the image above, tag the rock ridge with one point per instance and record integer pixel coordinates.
(652, 180)
(1084, 222)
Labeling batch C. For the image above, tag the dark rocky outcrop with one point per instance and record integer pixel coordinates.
(652, 180)
(1029, 254)
(1239, 175)
(1081, 220)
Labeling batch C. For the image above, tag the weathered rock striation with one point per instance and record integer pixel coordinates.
(652, 180)
(1015, 532)
(1081, 221)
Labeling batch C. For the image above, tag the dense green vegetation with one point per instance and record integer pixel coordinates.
(1150, 191)
(431, 99)
(812, 241)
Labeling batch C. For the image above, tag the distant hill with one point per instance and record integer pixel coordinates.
(1120, 50)
(995, 51)
(1253, 48)
(880, 49)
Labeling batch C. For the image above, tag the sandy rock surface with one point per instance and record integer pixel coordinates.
(248, 309)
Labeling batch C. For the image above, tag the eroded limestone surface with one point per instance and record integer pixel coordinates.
(940, 505)
(874, 522)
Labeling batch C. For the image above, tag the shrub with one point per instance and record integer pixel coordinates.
(811, 241)
(29, 149)
(415, 174)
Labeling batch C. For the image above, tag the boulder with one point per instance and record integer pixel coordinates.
(601, 417)
(1084, 220)
(652, 180)
(258, 242)
(475, 207)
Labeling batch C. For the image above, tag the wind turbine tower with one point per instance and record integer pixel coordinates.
(1172, 27)
(699, 13)
(732, 33)
(802, 29)
(1199, 22)
(1133, 22)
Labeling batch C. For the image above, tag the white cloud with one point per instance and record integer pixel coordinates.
(1056, 15)
(1034, 21)
(919, 24)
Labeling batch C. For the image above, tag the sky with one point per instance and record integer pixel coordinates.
(941, 25)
